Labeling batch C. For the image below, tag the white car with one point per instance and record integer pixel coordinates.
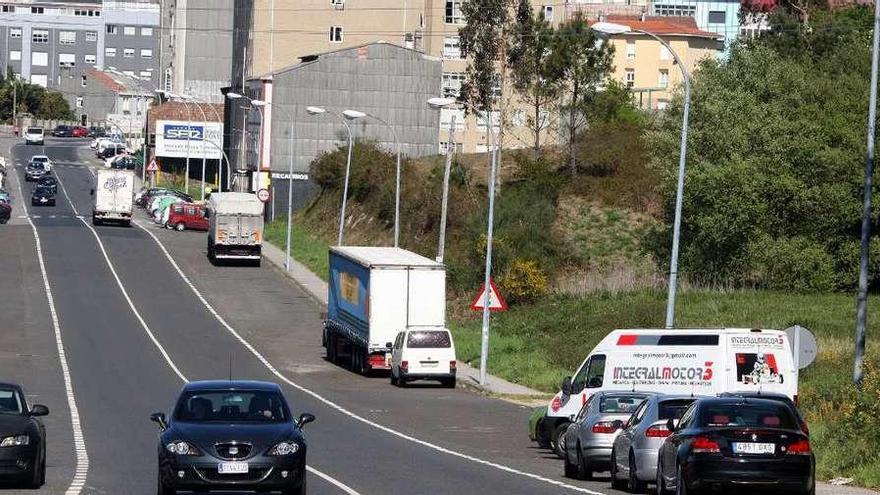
(423, 354)
(115, 158)
(47, 163)
(34, 135)
(105, 142)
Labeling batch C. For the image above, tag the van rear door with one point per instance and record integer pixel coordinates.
(760, 361)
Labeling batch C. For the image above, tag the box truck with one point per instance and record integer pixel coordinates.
(235, 227)
(114, 196)
(374, 293)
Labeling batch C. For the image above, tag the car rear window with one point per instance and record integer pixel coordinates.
(620, 404)
(35, 130)
(748, 415)
(428, 339)
(673, 409)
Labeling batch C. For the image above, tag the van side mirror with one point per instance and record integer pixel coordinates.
(566, 385)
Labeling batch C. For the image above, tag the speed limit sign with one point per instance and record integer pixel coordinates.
(263, 195)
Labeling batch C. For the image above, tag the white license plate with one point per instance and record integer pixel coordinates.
(754, 448)
(429, 364)
(232, 468)
(43, 200)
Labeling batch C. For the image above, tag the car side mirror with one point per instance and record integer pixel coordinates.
(39, 410)
(91, 192)
(566, 385)
(304, 419)
(571, 418)
(389, 345)
(159, 418)
(671, 424)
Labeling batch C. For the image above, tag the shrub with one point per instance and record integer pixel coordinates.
(523, 282)
(797, 264)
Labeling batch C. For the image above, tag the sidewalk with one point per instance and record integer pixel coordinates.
(468, 376)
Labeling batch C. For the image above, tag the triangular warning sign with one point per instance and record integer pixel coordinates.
(496, 302)
(153, 166)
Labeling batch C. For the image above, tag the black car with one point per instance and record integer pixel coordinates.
(755, 394)
(227, 435)
(22, 438)
(49, 182)
(62, 131)
(96, 132)
(5, 210)
(736, 443)
(112, 149)
(43, 196)
(34, 171)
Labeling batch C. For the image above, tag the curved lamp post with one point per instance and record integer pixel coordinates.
(344, 119)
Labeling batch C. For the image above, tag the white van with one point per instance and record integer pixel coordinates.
(34, 135)
(692, 362)
(423, 354)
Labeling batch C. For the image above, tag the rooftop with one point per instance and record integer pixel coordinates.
(120, 83)
(178, 110)
(384, 256)
(669, 26)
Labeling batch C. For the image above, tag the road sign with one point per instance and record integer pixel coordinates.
(803, 346)
(496, 302)
(263, 195)
(153, 166)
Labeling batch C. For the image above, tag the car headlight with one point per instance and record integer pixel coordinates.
(284, 448)
(180, 447)
(15, 441)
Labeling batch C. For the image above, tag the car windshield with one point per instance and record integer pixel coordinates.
(748, 415)
(41, 159)
(673, 409)
(35, 166)
(428, 339)
(620, 404)
(41, 189)
(10, 402)
(232, 406)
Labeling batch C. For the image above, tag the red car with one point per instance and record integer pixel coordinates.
(79, 131)
(187, 216)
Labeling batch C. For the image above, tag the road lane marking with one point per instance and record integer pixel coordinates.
(340, 408)
(79, 442)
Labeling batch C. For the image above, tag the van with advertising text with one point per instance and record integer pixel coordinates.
(698, 362)
(113, 195)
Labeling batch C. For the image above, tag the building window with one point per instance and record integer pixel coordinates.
(128, 53)
(112, 29)
(67, 37)
(14, 55)
(717, 17)
(663, 82)
(67, 60)
(79, 102)
(451, 47)
(548, 13)
(91, 59)
(109, 52)
(40, 36)
(84, 12)
(7, 8)
(451, 86)
(40, 59)
(675, 10)
(662, 104)
(453, 12)
(495, 90)
(146, 74)
(630, 49)
(630, 78)
(482, 124)
(664, 53)
(445, 147)
(129, 31)
(146, 53)
(129, 73)
(169, 84)
(91, 36)
(40, 80)
(38, 10)
(15, 32)
(335, 34)
(446, 115)
(83, 81)
(337, 4)
(146, 31)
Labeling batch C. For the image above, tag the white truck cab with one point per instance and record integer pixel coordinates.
(423, 354)
(675, 361)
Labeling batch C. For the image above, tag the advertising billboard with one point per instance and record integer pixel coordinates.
(173, 137)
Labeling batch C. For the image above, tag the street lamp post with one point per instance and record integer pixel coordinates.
(440, 103)
(236, 96)
(396, 180)
(342, 118)
(204, 138)
(612, 29)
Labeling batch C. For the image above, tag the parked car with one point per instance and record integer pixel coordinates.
(43, 196)
(49, 182)
(79, 132)
(112, 149)
(232, 435)
(96, 132)
(34, 135)
(590, 437)
(122, 161)
(187, 216)
(155, 192)
(423, 354)
(34, 171)
(752, 394)
(735, 442)
(5, 210)
(4, 195)
(23, 439)
(103, 142)
(62, 130)
(634, 455)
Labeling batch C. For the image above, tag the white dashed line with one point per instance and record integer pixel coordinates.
(79, 443)
(341, 409)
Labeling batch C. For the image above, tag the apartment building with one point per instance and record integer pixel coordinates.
(196, 54)
(44, 41)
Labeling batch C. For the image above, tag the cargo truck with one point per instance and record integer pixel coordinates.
(235, 227)
(373, 294)
(114, 196)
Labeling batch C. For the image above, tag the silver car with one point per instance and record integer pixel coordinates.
(590, 437)
(634, 456)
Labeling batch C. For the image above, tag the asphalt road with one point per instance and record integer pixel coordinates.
(141, 309)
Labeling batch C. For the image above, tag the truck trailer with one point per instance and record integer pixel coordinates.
(373, 294)
(114, 196)
(235, 227)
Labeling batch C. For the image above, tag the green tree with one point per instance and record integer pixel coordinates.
(52, 105)
(483, 43)
(580, 63)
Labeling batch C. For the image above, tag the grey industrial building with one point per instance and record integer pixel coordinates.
(384, 80)
(44, 41)
(103, 95)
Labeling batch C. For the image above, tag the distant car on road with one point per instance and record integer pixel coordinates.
(4, 195)
(34, 135)
(733, 443)
(34, 171)
(186, 216)
(423, 354)
(236, 435)
(79, 132)
(49, 182)
(588, 441)
(634, 455)
(62, 131)
(44, 160)
(96, 132)
(22, 438)
(43, 196)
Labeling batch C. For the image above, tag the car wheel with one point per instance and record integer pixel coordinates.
(298, 490)
(680, 483)
(162, 488)
(570, 470)
(448, 382)
(180, 227)
(554, 440)
(37, 475)
(393, 378)
(616, 482)
(661, 482)
(635, 485)
(584, 470)
(543, 435)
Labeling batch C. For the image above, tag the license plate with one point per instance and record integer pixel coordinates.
(232, 468)
(43, 200)
(754, 448)
(429, 364)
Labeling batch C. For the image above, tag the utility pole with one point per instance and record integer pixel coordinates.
(450, 151)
